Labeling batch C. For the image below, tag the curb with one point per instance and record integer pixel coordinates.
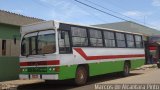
(13, 84)
(147, 66)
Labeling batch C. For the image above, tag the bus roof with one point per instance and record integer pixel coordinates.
(94, 27)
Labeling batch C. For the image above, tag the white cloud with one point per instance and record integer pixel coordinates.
(63, 10)
(46, 0)
(156, 2)
(69, 11)
(137, 14)
(133, 13)
(55, 2)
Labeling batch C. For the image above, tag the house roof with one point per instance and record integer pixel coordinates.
(131, 27)
(7, 17)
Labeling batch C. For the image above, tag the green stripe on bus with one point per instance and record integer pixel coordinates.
(68, 72)
(105, 67)
(137, 63)
(99, 68)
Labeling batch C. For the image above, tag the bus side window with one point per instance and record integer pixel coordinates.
(138, 41)
(120, 40)
(64, 43)
(96, 38)
(79, 36)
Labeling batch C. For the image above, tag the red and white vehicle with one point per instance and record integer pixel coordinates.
(58, 51)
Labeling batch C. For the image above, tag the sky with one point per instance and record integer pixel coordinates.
(145, 12)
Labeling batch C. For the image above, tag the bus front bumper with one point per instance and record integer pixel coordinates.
(39, 76)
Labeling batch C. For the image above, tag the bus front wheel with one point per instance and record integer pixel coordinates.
(126, 69)
(81, 76)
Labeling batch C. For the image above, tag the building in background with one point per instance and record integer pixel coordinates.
(130, 27)
(9, 48)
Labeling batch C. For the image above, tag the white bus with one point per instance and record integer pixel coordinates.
(57, 51)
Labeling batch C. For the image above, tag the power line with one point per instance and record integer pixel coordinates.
(100, 10)
(47, 6)
(91, 13)
(116, 5)
(113, 11)
(97, 10)
(107, 12)
(143, 23)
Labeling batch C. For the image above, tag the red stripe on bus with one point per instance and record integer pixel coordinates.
(23, 64)
(37, 63)
(82, 53)
(152, 48)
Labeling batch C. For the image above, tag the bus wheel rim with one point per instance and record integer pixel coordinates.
(80, 75)
(126, 69)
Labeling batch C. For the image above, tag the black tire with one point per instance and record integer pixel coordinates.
(81, 76)
(126, 69)
(158, 65)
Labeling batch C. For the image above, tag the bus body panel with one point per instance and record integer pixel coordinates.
(58, 66)
(100, 62)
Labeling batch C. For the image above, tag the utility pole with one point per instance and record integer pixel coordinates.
(144, 20)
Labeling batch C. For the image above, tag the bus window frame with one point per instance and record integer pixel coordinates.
(70, 41)
(36, 42)
(121, 40)
(102, 32)
(129, 40)
(78, 36)
(109, 39)
(142, 43)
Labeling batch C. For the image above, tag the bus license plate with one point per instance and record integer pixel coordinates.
(35, 76)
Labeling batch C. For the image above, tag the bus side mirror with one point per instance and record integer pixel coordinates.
(15, 40)
(62, 35)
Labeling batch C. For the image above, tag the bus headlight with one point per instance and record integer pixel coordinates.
(56, 69)
(24, 70)
(51, 69)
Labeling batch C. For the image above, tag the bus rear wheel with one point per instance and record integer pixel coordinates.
(126, 69)
(81, 76)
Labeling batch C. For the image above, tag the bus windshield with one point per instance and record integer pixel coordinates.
(38, 43)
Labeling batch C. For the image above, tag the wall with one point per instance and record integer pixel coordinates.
(9, 63)
(9, 68)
